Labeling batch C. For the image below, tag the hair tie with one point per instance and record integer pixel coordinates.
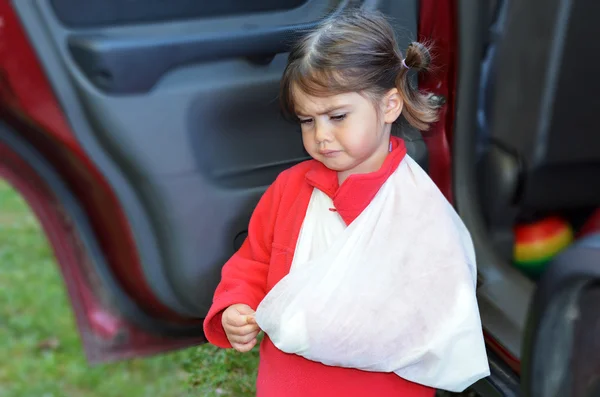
(404, 63)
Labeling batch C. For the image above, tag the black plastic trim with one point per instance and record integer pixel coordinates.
(547, 348)
(502, 382)
(471, 14)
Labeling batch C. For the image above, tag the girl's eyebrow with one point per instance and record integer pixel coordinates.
(326, 111)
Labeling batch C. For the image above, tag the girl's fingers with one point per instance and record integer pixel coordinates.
(239, 320)
(236, 320)
(241, 330)
(244, 347)
(243, 339)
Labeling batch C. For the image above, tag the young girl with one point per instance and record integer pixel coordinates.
(359, 272)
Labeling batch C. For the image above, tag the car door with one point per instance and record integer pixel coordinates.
(143, 134)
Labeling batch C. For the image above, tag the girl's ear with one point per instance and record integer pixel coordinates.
(392, 105)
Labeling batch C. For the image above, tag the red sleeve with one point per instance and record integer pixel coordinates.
(244, 276)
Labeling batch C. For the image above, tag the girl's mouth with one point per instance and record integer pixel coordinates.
(329, 153)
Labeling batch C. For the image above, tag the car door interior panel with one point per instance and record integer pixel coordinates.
(179, 110)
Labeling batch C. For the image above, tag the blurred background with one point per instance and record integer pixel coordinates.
(40, 350)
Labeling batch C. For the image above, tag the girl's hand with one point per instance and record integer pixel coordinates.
(240, 327)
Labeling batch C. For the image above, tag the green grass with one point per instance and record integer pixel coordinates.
(40, 350)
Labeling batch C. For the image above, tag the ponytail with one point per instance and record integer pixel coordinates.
(418, 110)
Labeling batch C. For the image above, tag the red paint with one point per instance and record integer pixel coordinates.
(591, 226)
(28, 103)
(503, 353)
(437, 25)
(98, 325)
(105, 324)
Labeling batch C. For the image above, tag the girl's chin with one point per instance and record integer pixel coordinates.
(334, 165)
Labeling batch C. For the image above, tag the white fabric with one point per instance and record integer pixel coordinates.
(392, 292)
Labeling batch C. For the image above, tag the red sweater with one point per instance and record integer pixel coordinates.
(266, 257)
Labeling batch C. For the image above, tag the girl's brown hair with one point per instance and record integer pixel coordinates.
(357, 52)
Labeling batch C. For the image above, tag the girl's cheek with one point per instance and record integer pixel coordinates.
(306, 136)
(358, 140)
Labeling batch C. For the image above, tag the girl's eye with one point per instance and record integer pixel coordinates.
(338, 117)
(305, 121)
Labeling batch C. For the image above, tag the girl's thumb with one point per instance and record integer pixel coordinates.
(250, 319)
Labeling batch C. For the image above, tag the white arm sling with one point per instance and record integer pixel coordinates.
(392, 292)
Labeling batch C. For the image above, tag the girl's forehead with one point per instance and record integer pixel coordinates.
(310, 104)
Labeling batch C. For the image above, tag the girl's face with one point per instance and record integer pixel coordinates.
(346, 132)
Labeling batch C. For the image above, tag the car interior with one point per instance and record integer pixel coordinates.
(176, 103)
(528, 108)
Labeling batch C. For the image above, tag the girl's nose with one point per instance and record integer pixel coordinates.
(322, 133)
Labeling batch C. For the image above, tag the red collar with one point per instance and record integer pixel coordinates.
(358, 190)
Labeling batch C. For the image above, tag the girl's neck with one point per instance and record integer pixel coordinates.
(371, 164)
